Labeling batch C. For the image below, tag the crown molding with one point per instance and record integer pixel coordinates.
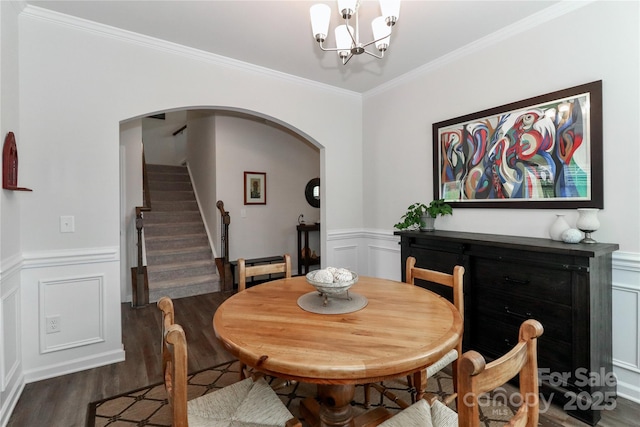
(533, 21)
(126, 36)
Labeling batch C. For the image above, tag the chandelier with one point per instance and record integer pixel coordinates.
(347, 38)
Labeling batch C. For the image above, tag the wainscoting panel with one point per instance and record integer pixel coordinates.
(75, 324)
(80, 291)
(10, 354)
(626, 323)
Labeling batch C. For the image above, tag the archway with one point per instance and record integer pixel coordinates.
(214, 127)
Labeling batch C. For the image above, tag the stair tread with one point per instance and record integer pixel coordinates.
(176, 237)
(186, 281)
(167, 251)
(180, 265)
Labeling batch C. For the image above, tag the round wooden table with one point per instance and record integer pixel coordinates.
(402, 329)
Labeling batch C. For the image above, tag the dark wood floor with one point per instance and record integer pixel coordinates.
(63, 401)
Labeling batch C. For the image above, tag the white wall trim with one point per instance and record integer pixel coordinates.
(173, 48)
(504, 33)
(8, 404)
(10, 266)
(63, 258)
(76, 365)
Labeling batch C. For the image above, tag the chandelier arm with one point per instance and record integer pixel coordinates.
(328, 49)
(344, 61)
(374, 55)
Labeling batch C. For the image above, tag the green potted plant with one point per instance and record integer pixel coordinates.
(421, 216)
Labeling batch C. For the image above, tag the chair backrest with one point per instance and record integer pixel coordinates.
(245, 271)
(174, 363)
(475, 377)
(454, 281)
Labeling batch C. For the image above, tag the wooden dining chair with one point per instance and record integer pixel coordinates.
(455, 281)
(245, 271)
(245, 403)
(476, 377)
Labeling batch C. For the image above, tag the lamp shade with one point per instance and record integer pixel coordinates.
(347, 7)
(390, 9)
(343, 39)
(381, 31)
(320, 15)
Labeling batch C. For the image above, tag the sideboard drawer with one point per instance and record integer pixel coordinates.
(516, 279)
(497, 337)
(555, 318)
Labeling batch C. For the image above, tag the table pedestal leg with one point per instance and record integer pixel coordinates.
(335, 407)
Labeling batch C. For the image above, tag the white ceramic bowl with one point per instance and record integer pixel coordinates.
(332, 288)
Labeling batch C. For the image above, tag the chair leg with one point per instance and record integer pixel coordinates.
(367, 396)
(419, 385)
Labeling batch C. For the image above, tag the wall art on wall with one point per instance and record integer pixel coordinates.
(255, 188)
(541, 152)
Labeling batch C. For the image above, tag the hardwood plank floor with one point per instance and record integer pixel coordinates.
(63, 401)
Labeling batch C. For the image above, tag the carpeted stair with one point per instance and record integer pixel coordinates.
(179, 259)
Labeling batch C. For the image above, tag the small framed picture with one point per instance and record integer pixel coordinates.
(255, 188)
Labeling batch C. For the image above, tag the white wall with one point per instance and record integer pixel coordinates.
(11, 379)
(599, 41)
(161, 146)
(585, 48)
(70, 135)
(202, 162)
(289, 163)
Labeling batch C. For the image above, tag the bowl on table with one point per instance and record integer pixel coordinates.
(335, 288)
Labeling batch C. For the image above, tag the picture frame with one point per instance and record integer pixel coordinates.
(539, 153)
(255, 188)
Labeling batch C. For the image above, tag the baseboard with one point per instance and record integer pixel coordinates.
(72, 366)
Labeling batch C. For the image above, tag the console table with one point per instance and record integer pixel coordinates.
(304, 257)
(567, 287)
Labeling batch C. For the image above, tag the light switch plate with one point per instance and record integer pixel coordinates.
(67, 224)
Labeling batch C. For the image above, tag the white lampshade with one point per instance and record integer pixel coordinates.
(343, 39)
(349, 5)
(381, 31)
(320, 15)
(390, 9)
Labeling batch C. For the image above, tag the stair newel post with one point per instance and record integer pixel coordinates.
(223, 263)
(140, 294)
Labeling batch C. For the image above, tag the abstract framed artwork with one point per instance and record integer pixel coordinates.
(541, 152)
(255, 188)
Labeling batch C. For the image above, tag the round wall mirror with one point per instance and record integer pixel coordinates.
(312, 192)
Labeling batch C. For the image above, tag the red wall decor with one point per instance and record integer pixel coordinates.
(10, 164)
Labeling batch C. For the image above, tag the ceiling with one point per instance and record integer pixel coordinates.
(277, 34)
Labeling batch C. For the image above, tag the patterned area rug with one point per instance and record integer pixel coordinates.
(148, 406)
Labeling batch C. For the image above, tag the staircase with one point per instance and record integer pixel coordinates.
(180, 262)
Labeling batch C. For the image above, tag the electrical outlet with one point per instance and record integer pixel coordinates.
(53, 324)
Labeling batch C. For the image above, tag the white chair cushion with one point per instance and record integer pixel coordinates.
(245, 403)
(442, 362)
(420, 414)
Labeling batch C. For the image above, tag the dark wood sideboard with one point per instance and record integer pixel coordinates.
(567, 287)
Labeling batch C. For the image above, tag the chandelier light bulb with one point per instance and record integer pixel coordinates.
(343, 40)
(381, 33)
(390, 10)
(320, 16)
